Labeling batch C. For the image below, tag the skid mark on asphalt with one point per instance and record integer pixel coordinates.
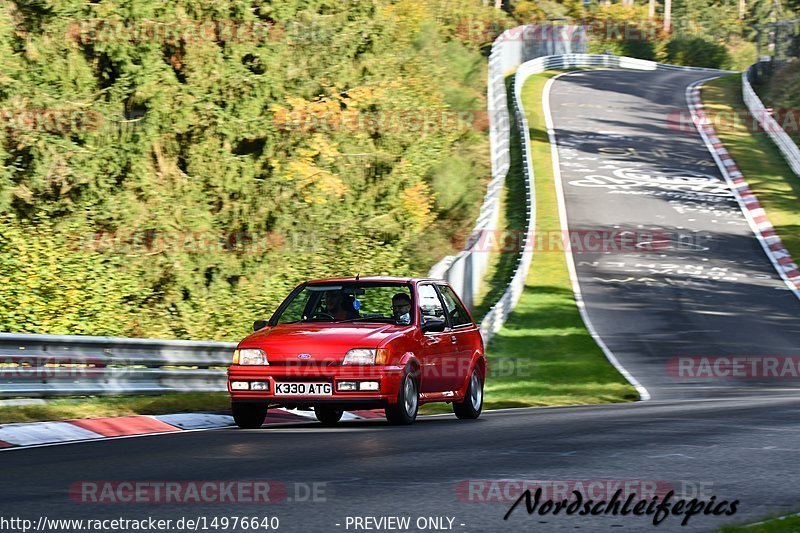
(709, 290)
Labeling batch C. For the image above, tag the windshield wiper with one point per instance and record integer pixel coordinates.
(366, 318)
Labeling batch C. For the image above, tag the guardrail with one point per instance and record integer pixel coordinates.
(466, 271)
(789, 149)
(55, 365)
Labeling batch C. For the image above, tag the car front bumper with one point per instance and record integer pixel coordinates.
(388, 377)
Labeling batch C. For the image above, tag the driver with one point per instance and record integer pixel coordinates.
(401, 308)
(333, 305)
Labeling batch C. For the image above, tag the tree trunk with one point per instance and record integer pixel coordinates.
(651, 9)
(667, 15)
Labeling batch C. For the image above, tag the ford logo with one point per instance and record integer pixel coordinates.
(304, 356)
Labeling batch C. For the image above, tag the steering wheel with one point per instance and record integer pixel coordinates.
(323, 314)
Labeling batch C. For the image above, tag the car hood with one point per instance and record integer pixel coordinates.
(323, 342)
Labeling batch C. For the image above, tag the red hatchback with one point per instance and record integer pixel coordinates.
(341, 344)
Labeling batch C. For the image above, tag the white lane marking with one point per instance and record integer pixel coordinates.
(784, 517)
(748, 215)
(715, 313)
(573, 275)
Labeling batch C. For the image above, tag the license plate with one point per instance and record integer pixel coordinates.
(303, 389)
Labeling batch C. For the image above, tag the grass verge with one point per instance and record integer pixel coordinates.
(544, 355)
(786, 524)
(778, 191)
(512, 216)
(103, 406)
(763, 166)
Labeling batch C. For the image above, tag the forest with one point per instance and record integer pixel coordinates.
(173, 169)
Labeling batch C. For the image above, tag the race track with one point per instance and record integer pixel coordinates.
(735, 449)
(710, 293)
(705, 288)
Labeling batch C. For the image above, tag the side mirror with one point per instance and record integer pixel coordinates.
(433, 325)
(259, 324)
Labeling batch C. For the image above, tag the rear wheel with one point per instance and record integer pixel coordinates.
(404, 411)
(249, 415)
(472, 405)
(328, 416)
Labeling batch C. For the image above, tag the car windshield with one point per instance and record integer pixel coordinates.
(348, 302)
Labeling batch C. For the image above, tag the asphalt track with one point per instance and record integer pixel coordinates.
(734, 439)
(705, 288)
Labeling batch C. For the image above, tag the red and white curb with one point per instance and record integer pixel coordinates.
(15, 436)
(748, 202)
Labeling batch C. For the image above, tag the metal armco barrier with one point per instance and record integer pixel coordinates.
(466, 271)
(785, 144)
(56, 365)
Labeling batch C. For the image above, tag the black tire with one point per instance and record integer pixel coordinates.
(404, 412)
(249, 415)
(327, 415)
(471, 407)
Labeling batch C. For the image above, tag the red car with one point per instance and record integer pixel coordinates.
(350, 343)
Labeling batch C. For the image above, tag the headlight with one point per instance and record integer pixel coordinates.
(250, 356)
(366, 356)
(360, 356)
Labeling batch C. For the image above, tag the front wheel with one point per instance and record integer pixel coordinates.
(472, 405)
(249, 415)
(404, 411)
(328, 416)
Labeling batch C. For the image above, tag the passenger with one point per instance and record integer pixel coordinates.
(401, 308)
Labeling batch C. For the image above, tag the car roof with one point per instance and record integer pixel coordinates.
(389, 279)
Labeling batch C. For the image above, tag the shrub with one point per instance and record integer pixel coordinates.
(697, 52)
(619, 47)
(220, 169)
(624, 31)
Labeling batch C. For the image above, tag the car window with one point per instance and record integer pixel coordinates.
(345, 302)
(295, 309)
(377, 301)
(455, 310)
(429, 304)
